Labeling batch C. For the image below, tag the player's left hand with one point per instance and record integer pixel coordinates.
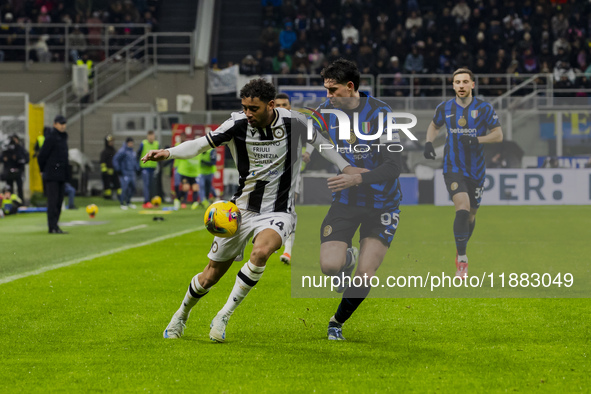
(306, 157)
(343, 181)
(468, 140)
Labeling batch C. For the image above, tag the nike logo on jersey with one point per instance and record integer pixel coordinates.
(449, 116)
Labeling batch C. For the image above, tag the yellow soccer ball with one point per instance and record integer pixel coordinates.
(223, 219)
(92, 210)
(156, 201)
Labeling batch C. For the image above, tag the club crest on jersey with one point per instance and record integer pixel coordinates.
(474, 114)
(462, 122)
(278, 132)
(327, 231)
(352, 138)
(454, 186)
(214, 247)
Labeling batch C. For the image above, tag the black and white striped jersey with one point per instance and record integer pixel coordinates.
(268, 159)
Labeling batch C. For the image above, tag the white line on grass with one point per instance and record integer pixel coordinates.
(93, 256)
(125, 230)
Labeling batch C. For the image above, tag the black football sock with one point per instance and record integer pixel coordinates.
(352, 298)
(462, 230)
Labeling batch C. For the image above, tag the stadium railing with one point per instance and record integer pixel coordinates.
(125, 68)
(101, 38)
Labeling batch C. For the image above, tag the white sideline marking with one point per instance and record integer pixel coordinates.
(93, 256)
(125, 230)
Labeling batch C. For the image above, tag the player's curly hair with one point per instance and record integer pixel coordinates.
(260, 88)
(342, 71)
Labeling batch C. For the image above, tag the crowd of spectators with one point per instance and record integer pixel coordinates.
(82, 39)
(428, 37)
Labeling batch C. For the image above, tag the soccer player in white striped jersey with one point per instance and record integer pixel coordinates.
(265, 143)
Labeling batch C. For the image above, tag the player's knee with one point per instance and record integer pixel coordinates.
(330, 266)
(330, 270)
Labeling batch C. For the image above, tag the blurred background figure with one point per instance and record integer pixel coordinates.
(148, 168)
(14, 159)
(126, 166)
(110, 179)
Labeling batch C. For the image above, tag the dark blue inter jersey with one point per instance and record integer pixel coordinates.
(360, 153)
(474, 120)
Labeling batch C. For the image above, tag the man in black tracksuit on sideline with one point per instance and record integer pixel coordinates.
(54, 165)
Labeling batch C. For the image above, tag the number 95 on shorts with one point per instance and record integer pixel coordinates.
(342, 221)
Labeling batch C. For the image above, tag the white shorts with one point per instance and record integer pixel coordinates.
(224, 249)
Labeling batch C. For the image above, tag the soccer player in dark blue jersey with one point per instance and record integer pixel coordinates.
(368, 201)
(467, 119)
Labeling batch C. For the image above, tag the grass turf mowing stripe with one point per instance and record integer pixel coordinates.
(94, 256)
(125, 230)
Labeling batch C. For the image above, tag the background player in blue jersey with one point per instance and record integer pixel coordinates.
(467, 119)
(368, 201)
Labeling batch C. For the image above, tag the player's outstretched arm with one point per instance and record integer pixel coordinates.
(186, 150)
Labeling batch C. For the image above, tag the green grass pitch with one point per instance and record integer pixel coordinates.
(96, 323)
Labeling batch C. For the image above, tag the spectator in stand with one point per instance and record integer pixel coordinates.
(465, 59)
(461, 12)
(350, 50)
(529, 61)
(481, 66)
(316, 59)
(95, 35)
(287, 37)
(116, 12)
(129, 9)
(350, 31)
(41, 50)
(300, 59)
(333, 55)
(445, 62)
(394, 66)
(280, 61)
(564, 74)
(414, 62)
(150, 20)
(288, 10)
(317, 36)
(559, 25)
(269, 35)
(249, 66)
(365, 25)
(264, 63)
(77, 43)
(333, 36)
(414, 20)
